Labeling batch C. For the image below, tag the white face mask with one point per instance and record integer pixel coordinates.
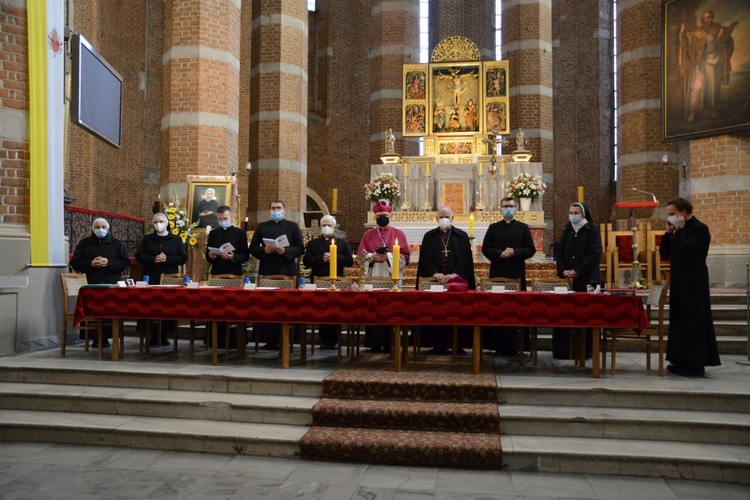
(672, 219)
(160, 227)
(326, 230)
(444, 223)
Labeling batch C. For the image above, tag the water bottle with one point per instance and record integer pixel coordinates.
(246, 280)
(186, 280)
(145, 278)
(301, 283)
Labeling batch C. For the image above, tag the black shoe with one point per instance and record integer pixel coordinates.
(95, 344)
(270, 347)
(376, 350)
(686, 371)
(328, 347)
(438, 351)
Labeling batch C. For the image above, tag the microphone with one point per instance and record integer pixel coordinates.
(646, 192)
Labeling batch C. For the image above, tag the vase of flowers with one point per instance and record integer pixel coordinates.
(179, 224)
(383, 187)
(526, 188)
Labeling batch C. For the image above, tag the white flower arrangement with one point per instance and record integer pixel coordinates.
(382, 187)
(526, 186)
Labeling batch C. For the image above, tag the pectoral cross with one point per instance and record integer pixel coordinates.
(445, 252)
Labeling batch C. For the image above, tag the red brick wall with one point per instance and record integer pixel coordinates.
(472, 19)
(14, 95)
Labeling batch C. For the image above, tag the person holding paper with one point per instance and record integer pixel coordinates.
(103, 258)
(161, 252)
(691, 343)
(226, 245)
(277, 244)
(318, 259)
(378, 244)
(445, 253)
(578, 255)
(507, 245)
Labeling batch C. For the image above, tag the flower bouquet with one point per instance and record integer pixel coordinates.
(382, 187)
(526, 186)
(179, 224)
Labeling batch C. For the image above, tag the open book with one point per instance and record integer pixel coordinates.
(282, 241)
(223, 249)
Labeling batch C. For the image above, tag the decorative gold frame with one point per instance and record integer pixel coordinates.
(197, 185)
(450, 84)
(413, 119)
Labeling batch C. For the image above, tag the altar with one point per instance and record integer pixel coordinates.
(425, 186)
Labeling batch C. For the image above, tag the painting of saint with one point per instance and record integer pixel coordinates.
(415, 85)
(496, 116)
(495, 81)
(415, 118)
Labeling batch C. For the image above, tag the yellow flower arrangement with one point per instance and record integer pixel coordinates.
(179, 224)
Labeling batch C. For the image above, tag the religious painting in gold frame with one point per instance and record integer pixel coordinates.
(455, 147)
(496, 116)
(414, 86)
(202, 205)
(454, 96)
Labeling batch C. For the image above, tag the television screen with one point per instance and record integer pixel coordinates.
(96, 93)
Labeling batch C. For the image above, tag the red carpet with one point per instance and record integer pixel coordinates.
(431, 413)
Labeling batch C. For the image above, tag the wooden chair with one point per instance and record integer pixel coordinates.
(273, 281)
(426, 284)
(171, 279)
(660, 266)
(352, 331)
(511, 285)
(228, 281)
(377, 282)
(549, 285)
(653, 336)
(71, 284)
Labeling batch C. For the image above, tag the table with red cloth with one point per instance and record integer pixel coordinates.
(396, 309)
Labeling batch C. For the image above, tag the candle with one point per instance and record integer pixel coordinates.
(427, 169)
(396, 260)
(332, 251)
(406, 169)
(502, 168)
(480, 169)
(334, 199)
(580, 194)
(471, 225)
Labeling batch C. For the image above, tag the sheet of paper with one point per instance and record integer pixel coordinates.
(225, 248)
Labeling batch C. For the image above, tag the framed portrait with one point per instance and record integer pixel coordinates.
(454, 99)
(705, 68)
(205, 195)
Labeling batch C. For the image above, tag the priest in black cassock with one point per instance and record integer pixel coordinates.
(444, 254)
(276, 259)
(318, 259)
(507, 245)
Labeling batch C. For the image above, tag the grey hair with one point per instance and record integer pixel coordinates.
(328, 218)
(98, 219)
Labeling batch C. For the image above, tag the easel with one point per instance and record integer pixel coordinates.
(635, 210)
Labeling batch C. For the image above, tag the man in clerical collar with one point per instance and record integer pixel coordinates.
(318, 259)
(378, 243)
(507, 245)
(445, 253)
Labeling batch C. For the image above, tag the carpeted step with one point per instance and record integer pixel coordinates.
(375, 379)
(408, 415)
(403, 447)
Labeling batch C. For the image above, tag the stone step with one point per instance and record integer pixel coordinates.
(151, 433)
(624, 423)
(651, 458)
(228, 407)
(164, 376)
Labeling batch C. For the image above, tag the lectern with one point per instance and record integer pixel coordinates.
(635, 210)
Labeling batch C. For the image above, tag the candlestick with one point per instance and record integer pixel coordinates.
(471, 225)
(333, 257)
(334, 199)
(427, 205)
(427, 169)
(406, 169)
(580, 194)
(502, 168)
(480, 169)
(396, 261)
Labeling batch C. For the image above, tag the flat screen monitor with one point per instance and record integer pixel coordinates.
(96, 93)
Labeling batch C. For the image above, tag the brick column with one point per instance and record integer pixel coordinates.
(639, 105)
(278, 96)
(472, 19)
(201, 90)
(394, 41)
(527, 45)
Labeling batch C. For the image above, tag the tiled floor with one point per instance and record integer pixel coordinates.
(41, 470)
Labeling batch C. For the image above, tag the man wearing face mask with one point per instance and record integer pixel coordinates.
(691, 343)
(228, 262)
(103, 258)
(378, 243)
(507, 245)
(161, 252)
(276, 259)
(317, 258)
(445, 253)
